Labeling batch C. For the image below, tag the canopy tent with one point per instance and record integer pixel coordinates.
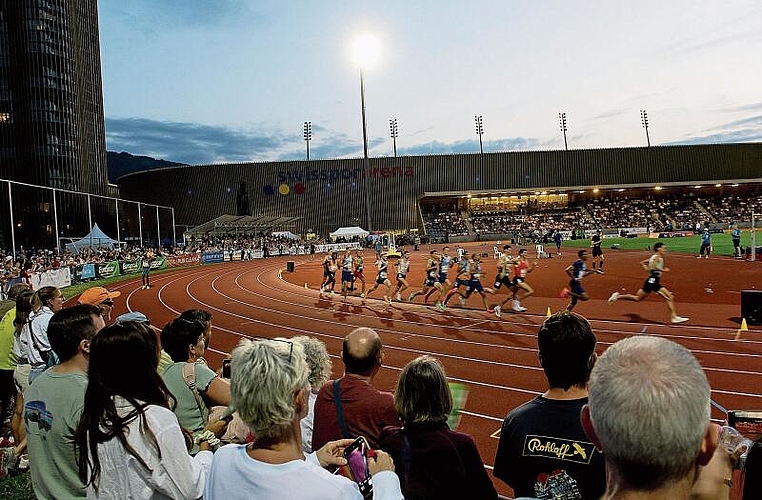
(95, 239)
(233, 225)
(285, 234)
(348, 233)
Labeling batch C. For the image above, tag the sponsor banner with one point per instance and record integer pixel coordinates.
(335, 247)
(88, 272)
(186, 259)
(157, 263)
(130, 266)
(58, 278)
(209, 257)
(634, 230)
(257, 254)
(107, 269)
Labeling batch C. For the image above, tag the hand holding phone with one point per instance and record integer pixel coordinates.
(226, 368)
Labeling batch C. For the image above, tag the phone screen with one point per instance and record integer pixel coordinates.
(748, 423)
(357, 461)
(226, 368)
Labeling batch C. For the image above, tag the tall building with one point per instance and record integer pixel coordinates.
(51, 115)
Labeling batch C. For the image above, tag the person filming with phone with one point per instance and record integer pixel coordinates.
(270, 390)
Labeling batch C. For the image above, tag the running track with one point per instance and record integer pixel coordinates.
(496, 359)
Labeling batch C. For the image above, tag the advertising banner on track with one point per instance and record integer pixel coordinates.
(88, 272)
(58, 278)
(157, 263)
(210, 257)
(186, 259)
(129, 266)
(107, 269)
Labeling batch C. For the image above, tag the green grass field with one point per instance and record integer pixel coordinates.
(721, 243)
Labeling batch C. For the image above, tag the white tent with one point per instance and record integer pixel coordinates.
(285, 234)
(348, 233)
(95, 239)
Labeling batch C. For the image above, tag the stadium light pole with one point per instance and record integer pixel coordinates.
(644, 121)
(308, 137)
(366, 52)
(394, 132)
(479, 119)
(562, 124)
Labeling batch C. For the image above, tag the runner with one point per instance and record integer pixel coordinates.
(654, 266)
(403, 266)
(430, 282)
(521, 267)
(462, 279)
(358, 273)
(329, 273)
(346, 272)
(382, 278)
(475, 284)
(504, 266)
(445, 263)
(576, 272)
(595, 244)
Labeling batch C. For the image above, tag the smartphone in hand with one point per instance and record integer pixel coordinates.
(226, 368)
(356, 455)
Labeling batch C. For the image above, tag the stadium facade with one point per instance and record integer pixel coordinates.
(328, 194)
(51, 113)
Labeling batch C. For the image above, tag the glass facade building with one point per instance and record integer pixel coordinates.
(51, 116)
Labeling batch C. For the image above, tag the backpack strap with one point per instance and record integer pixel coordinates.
(340, 410)
(189, 377)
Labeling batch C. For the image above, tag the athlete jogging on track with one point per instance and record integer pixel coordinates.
(595, 244)
(521, 267)
(654, 266)
(403, 267)
(430, 282)
(445, 263)
(382, 278)
(357, 273)
(329, 272)
(346, 273)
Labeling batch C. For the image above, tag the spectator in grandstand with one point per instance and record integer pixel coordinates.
(365, 409)
(46, 301)
(53, 403)
(319, 364)
(649, 413)
(270, 390)
(101, 298)
(193, 384)
(654, 266)
(129, 443)
(164, 359)
(577, 271)
(432, 460)
(533, 433)
(205, 318)
(706, 244)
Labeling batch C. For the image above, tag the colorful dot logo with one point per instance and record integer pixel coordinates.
(283, 189)
(299, 188)
(269, 190)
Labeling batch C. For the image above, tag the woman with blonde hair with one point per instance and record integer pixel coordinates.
(431, 460)
(46, 301)
(320, 366)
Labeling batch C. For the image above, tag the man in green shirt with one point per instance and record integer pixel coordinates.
(54, 404)
(7, 358)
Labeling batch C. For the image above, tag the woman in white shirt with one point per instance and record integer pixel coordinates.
(46, 301)
(129, 442)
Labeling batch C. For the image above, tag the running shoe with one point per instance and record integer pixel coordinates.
(614, 297)
(398, 298)
(441, 307)
(388, 300)
(564, 293)
(410, 297)
(679, 319)
(497, 311)
(462, 301)
(362, 295)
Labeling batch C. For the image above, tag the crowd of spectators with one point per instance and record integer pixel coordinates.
(654, 213)
(125, 410)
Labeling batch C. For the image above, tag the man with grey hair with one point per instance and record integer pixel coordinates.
(350, 406)
(649, 411)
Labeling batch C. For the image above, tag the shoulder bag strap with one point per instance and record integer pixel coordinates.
(340, 410)
(189, 377)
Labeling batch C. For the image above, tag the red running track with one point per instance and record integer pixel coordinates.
(495, 358)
